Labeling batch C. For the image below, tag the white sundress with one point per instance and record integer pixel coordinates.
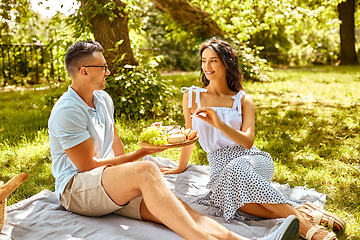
(237, 175)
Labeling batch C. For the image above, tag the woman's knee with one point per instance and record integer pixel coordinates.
(238, 166)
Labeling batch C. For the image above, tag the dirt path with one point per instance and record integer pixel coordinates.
(22, 88)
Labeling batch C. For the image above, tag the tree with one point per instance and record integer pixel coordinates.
(110, 28)
(347, 32)
(191, 17)
(109, 24)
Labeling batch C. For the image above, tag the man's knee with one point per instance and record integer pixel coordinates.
(146, 168)
(145, 172)
(133, 170)
(148, 165)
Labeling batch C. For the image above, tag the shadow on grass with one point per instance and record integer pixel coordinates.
(325, 136)
(314, 148)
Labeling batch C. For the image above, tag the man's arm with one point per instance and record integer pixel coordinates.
(117, 146)
(82, 155)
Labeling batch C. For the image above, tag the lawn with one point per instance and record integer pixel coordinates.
(307, 119)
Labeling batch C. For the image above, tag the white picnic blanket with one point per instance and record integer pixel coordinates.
(42, 217)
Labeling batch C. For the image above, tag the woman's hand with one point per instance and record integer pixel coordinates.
(166, 171)
(208, 115)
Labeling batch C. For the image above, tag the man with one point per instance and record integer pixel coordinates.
(93, 174)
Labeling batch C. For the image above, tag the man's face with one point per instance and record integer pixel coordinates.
(97, 71)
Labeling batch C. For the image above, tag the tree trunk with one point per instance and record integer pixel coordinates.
(347, 32)
(191, 17)
(108, 33)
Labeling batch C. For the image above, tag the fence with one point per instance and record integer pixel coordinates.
(28, 64)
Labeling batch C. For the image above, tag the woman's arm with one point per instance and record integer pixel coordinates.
(243, 137)
(187, 150)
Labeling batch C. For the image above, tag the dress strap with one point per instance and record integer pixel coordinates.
(237, 101)
(198, 90)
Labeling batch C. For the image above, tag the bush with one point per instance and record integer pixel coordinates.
(49, 99)
(139, 92)
(254, 68)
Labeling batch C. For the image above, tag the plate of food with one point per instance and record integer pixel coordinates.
(158, 136)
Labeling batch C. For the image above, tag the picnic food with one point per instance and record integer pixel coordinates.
(176, 138)
(192, 134)
(154, 135)
(160, 135)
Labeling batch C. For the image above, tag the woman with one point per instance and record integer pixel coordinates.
(240, 174)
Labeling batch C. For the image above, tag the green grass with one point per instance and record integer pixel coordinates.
(307, 119)
(24, 143)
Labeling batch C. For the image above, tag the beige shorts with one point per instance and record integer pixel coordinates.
(84, 194)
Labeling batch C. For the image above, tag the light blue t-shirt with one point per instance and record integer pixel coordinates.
(72, 122)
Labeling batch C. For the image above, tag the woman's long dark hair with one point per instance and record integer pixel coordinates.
(229, 59)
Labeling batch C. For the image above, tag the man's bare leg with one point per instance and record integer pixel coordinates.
(127, 181)
(209, 225)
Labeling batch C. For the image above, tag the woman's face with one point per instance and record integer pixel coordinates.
(212, 65)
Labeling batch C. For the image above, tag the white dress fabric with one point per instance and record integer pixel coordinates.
(237, 175)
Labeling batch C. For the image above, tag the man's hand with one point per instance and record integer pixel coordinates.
(149, 151)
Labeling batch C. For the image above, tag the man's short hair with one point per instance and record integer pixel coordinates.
(77, 54)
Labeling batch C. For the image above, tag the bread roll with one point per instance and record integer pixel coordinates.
(7, 188)
(192, 134)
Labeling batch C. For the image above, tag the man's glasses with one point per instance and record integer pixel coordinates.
(106, 67)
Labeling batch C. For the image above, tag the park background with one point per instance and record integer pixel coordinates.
(300, 62)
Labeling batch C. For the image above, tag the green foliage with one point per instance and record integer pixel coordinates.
(163, 37)
(140, 92)
(357, 14)
(14, 15)
(20, 25)
(254, 68)
(80, 20)
(49, 98)
(294, 32)
(179, 47)
(137, 91)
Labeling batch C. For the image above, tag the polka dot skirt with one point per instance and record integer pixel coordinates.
(239, 176)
